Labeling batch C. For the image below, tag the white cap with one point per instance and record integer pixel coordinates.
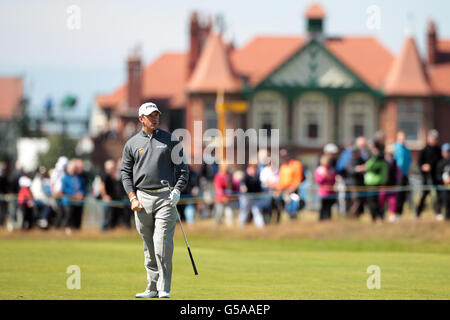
(147, 108)
(61, 163)
(330, 148)
(24, 182)
(433, 133)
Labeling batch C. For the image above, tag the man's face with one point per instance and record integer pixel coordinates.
(361, 143)
(373, 148)
(150, 122)
(251, 170)
(71, 166)
(446, 154)
(401, 137)
(223, 167)
(432, 140)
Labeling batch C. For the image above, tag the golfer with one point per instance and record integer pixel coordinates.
(146, 160)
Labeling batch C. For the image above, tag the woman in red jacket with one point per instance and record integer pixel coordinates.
(26, 202)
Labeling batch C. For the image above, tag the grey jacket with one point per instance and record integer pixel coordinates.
(146, 160)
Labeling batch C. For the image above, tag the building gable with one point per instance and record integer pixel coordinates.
(313, 66)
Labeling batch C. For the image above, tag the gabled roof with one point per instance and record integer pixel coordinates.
(313, 66)
(11, 94)
(114, 98)
(163, 79)
(264, 54)
(213, 71)
(365, 56)
(407, 75)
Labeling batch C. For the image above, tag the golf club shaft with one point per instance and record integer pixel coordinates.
(187, 245)
(185, 238)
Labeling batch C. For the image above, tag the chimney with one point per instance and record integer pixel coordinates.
(195, 43)
(134, 68)
(198, 35)
(432, 43)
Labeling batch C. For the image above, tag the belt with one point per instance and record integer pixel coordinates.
(155, 190)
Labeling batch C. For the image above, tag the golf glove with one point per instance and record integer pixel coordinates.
(174, 197)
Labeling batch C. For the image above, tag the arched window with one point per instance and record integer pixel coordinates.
(357, 117)
(269, 111)
(313, 116)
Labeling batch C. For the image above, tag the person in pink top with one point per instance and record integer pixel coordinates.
(325, 176)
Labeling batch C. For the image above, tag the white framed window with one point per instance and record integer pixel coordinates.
(313, 114)
(410, 118)
(209, 115)
(269, 111)
(358, 117)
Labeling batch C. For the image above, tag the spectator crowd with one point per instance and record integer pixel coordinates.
(374, 175)
(57, 197)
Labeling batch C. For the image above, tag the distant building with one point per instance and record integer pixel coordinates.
(11, 113)
(314, 88)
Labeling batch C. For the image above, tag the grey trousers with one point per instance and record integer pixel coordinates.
(156, 226)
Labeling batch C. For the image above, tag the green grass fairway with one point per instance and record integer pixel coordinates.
(233, 264)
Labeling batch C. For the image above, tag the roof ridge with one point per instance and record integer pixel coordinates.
(214, 70)
(407, 75)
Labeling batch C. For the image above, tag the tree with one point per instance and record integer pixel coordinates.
(60, 145)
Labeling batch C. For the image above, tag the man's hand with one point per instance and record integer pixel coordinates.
(174, 197)
(77, 196)
(136, 205)
(446, 178)
(426, 167)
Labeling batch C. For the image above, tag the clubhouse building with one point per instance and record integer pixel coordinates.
(314, 88)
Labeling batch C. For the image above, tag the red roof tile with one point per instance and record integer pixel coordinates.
(315, 11)
(443, 45)
(213, 71)
(263, 55)
(11, 93)
(113, 99)
(439, 76)
(407, 75)
(165, 78)
(365, 56)
(162, 79)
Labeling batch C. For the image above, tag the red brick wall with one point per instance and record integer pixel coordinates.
(442, 121)
(388, 120)
(194, 112)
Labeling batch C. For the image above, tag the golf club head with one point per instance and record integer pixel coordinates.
(165, 183)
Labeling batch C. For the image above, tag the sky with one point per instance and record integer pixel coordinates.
(80, 46)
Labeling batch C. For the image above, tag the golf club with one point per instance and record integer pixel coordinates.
(166, 183)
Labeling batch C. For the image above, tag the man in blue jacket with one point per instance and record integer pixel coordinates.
(403, 158)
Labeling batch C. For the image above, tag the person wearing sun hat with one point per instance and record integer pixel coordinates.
(148, 159)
